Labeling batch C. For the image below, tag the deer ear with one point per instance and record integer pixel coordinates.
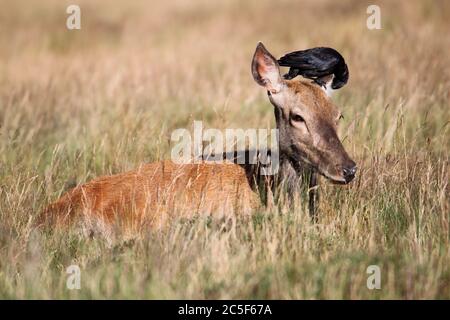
(326, 84)
(265, 69)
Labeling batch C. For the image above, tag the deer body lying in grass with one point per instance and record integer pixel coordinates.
(306, 119)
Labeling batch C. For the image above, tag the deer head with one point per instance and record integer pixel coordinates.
(306, 119)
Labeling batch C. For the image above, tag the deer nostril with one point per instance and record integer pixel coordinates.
(349, 173)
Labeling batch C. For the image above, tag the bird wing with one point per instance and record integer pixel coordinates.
(320, 59)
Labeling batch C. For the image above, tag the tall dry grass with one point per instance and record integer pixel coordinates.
(78, 104)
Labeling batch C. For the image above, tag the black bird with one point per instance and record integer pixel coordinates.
(317, 64)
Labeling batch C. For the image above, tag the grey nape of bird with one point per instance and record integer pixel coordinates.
(316, 64)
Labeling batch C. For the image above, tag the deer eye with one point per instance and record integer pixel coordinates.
(297, 118)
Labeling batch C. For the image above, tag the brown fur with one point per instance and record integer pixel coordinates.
(314, 98)
(155, 191)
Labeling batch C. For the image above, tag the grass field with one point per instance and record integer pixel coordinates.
(83, 103)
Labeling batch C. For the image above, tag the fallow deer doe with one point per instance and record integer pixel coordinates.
(306, 119)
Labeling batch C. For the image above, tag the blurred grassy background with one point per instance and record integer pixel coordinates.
(78, 104)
